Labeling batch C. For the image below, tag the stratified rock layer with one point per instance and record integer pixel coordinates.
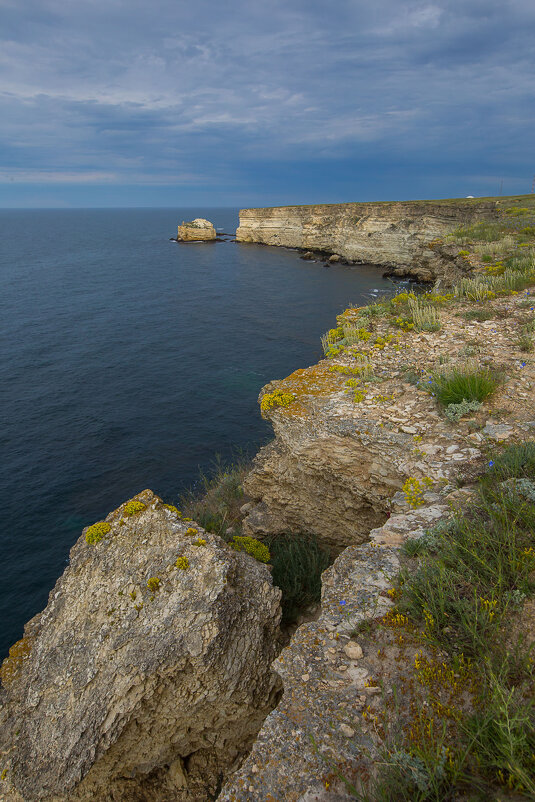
(198, 229)
(140, 680)
(393, 235)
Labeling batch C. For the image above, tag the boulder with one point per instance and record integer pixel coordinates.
(198, 229)
(148, 673)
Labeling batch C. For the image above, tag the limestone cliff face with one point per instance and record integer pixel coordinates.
(141, 680)
(393, 235)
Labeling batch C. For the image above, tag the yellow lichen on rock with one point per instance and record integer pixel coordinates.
(12, 665)
(316, 381)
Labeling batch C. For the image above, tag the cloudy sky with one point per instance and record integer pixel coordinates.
(243, 103)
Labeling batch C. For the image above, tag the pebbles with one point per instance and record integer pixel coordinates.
(353, 650)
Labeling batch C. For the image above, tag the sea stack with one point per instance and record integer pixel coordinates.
(198, 229)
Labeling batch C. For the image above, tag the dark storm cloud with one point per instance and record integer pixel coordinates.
(123, 93)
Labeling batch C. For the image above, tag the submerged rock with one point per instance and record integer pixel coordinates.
(148, 673)
(198, 229)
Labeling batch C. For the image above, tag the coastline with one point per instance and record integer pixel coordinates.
(354, 431)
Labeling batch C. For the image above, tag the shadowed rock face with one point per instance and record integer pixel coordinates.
(393, 235)
(123, 690)
(198, 229)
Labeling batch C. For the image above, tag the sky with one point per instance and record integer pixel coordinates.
(246, 103)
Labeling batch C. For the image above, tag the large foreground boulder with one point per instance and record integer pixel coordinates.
(198, 229)
(148, 674)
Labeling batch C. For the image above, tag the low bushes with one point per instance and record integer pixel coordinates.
(298, 562)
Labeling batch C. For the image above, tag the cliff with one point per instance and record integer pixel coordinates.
(391, 235)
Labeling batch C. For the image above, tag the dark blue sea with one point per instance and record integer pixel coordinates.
(129, 361)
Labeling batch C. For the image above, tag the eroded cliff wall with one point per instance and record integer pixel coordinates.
(392, 235)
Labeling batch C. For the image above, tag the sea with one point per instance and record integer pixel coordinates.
(129, 361)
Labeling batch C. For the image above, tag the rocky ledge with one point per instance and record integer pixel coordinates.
(341, 451)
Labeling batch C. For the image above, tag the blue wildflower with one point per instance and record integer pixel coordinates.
(342, 603)
(491, 463)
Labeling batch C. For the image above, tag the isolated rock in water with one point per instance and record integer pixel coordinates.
(198, 229)
(147, 674)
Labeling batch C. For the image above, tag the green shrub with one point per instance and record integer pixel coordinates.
(424, 316)
(298, 562)
(475, 289)
(462, 384)
(454, 412)
(330, 339)
(481, 314)
(479, 232)
(133, 507)
(502, 735)
(463, 592)
(275, 399)
(474, 738)
(525, 341)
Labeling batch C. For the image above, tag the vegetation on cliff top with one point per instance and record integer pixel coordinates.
(463, 726)
(499, 200)
(499, 258)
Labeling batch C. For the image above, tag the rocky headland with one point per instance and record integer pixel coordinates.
(155, 672)
(397, 236)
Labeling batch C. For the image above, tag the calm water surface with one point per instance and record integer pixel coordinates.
(129, 361)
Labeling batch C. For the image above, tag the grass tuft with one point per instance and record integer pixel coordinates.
(457, 384)
(216, 499)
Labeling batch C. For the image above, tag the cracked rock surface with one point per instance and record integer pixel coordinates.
(126, 688)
